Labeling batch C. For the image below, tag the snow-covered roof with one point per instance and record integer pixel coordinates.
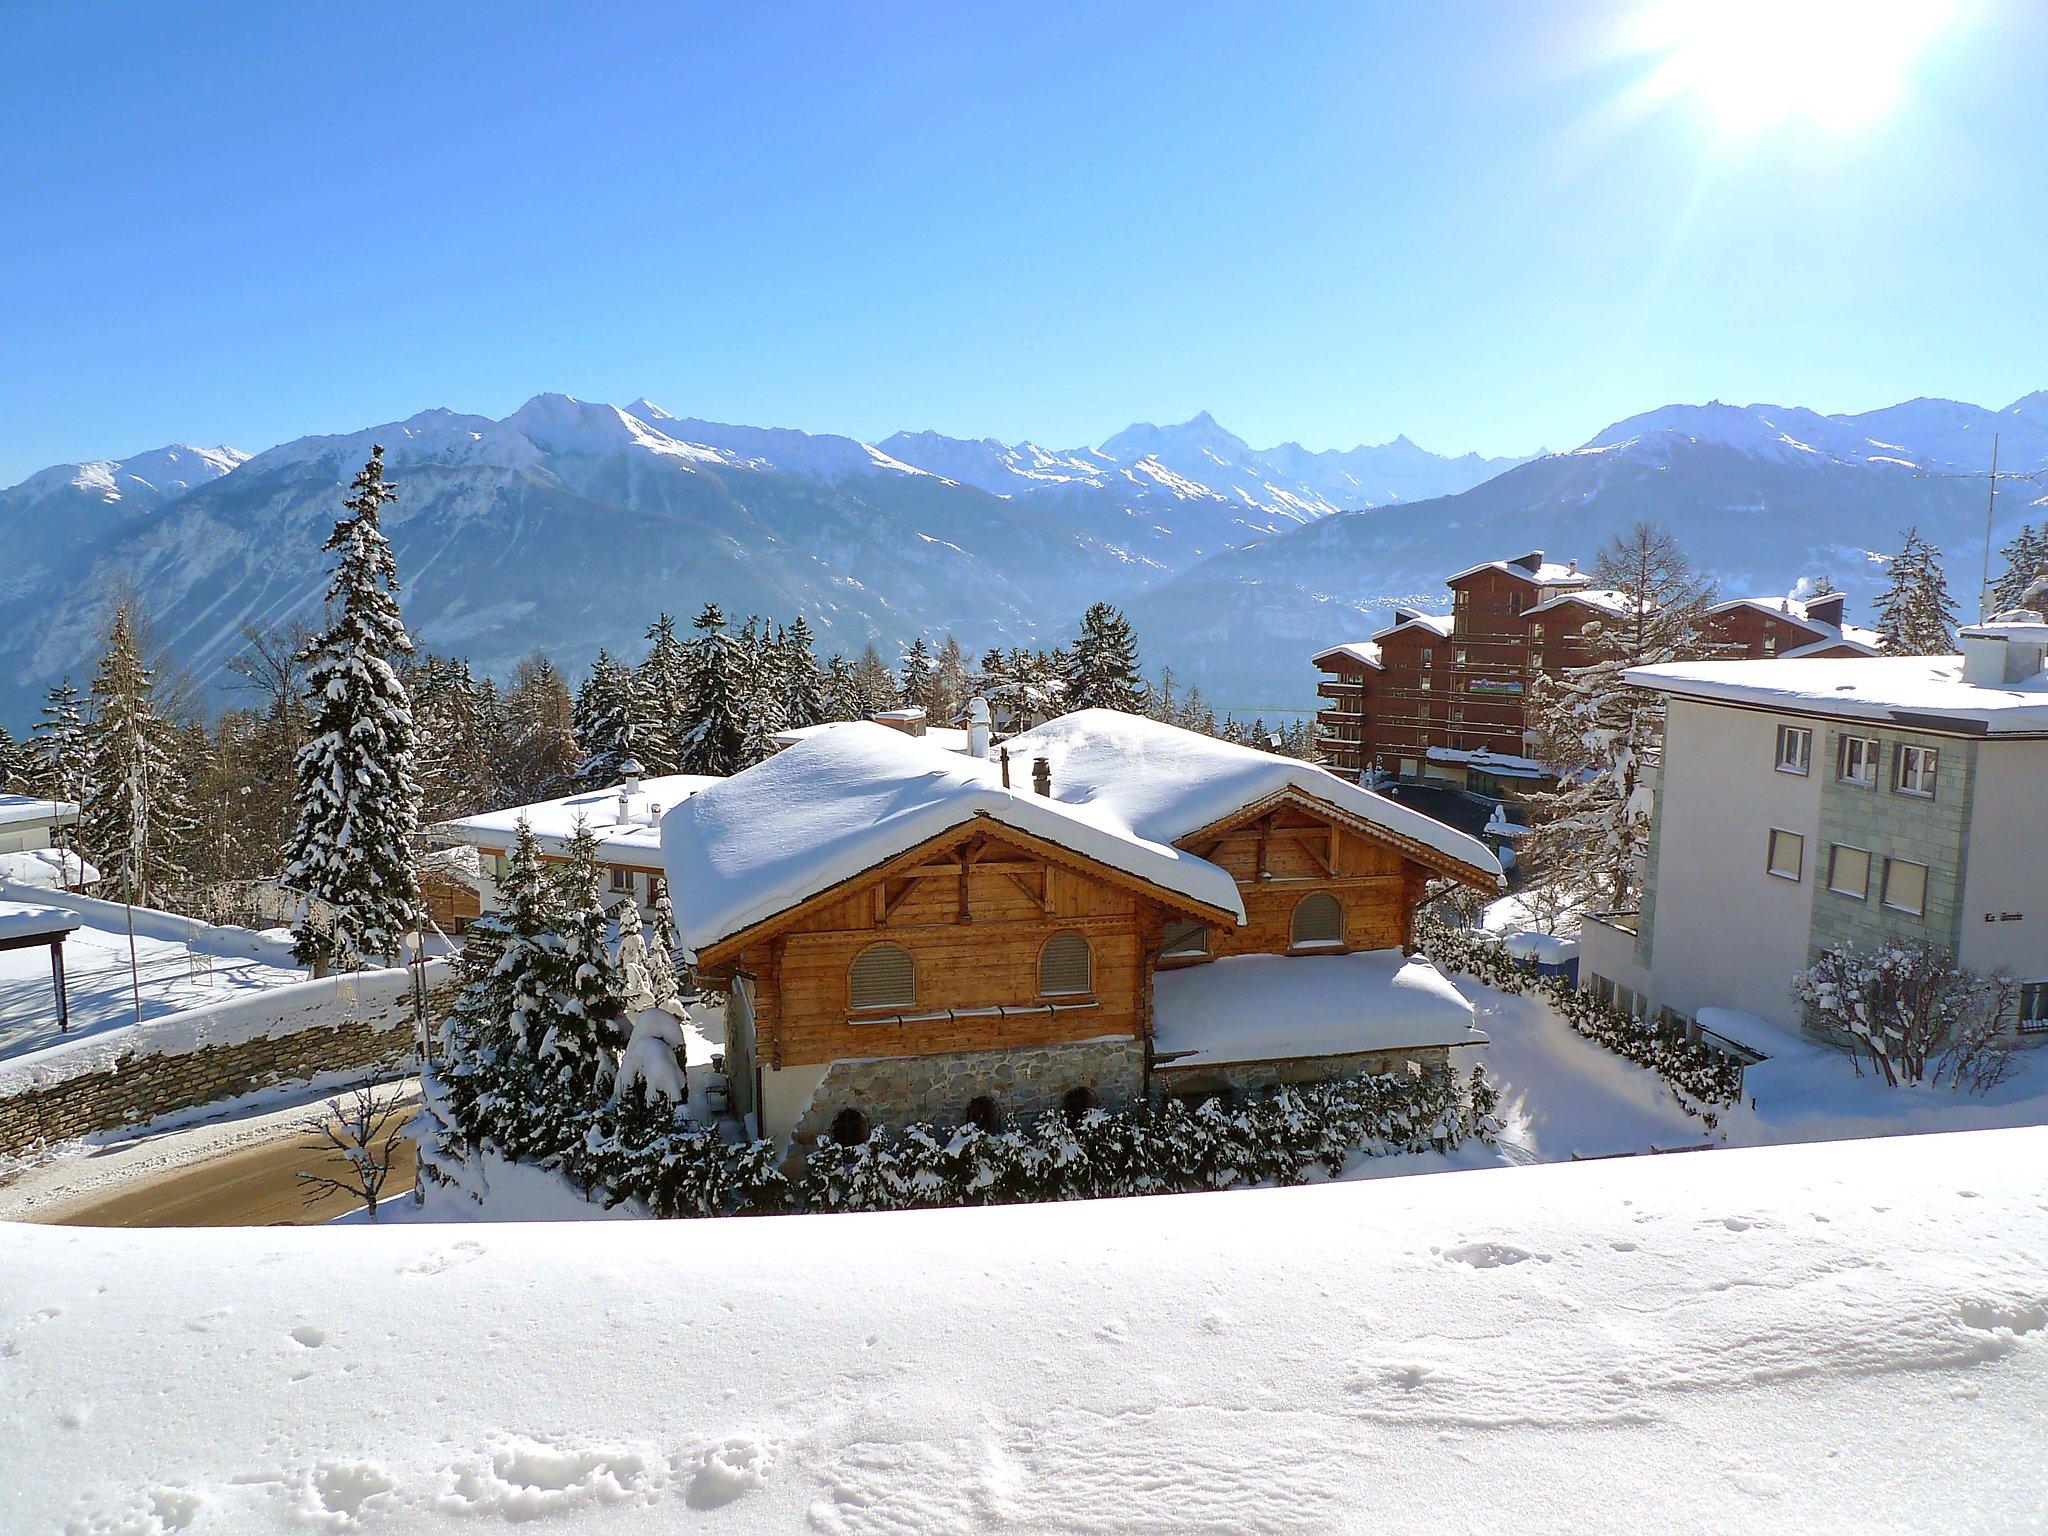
(1531, 567)
(1364, 651)
(50, 867)
(1165, 783)
(27, 810)
(1922, 692)
(951, 738)
(1503, 763)
(1606, 599)
(1437, 624)
(1278, 1007)
(634, 837)
(1794, 611)
(841, 801)
(20, 923)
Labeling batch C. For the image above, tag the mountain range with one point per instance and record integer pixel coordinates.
(568, 524)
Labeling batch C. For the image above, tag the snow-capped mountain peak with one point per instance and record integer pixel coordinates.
(137, 483)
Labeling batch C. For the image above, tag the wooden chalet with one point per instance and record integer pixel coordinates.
(903, 935)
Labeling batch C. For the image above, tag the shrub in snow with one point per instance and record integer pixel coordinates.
(1699, 1076)
(1912, 1014)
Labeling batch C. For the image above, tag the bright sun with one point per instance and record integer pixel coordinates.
(1758, 64)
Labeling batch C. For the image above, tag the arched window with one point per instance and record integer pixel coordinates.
(1066, 966)
(849, 1128)
(1318, 922)
(983, 1115)
(1077, 1102)
(883, 978)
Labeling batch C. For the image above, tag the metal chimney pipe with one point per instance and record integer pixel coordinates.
(1006, 767)
(1041, 776)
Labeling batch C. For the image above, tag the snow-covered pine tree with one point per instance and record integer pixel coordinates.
(801, 690)
(1597, 734)
(1102, 668)
(14, 761)
(664, 677)
(60, 765)
(2026, 561)
(760, 691)
(949, 683)
(652, 1062)
(714, 722)
(1915, 615)
(914, 681)
(136, 812)
(357, 798)
(671, 991)
(579, 1050)
(612, 723)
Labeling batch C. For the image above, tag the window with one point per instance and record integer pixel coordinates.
(1458, 656)
(883, 978)
(1066, 966)
(1913, 771)
(1849, 871)
(622, 879)
(1184, 940)
(849, 1128)
(1787, 854)
(1905, 886)
(1426, 685)
(501, 867)
(1428, 655)
(2033, 1007)
(1856, 761)
(1318, 922)
(1795, 748)
(1770, 645)
(1535, 661)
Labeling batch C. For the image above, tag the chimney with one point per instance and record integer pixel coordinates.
(1828, 610)
(1532, 562)
(1006, 767)
(1041, 776)
(629, 772)
(977, 727)
(2005, 651)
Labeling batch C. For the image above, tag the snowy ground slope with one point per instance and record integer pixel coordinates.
(1838, 1337)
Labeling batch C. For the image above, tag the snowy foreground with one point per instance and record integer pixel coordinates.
(1841, 1336)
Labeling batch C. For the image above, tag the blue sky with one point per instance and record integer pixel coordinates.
(1330, 223)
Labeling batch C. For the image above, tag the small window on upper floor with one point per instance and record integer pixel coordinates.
(1066, 966)
(2033, 1007)
(1795, 749)
(1856, 761)
(1913, 771)
(1458, 656)
(1428, 655)
(1185, 941)
(1849, 871)
(1905, 886)
(622, 879)
(882, 977)
(1318, 922)
(1787, 855)
(1770, 645)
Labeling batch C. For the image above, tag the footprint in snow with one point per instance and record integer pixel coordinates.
(309, 1336)
(1492, 1255)
(729, 1470)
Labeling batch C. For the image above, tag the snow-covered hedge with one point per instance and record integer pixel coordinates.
(1701, 1077)
(652, 1154)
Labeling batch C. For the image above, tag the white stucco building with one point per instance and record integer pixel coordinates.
(1805, 804)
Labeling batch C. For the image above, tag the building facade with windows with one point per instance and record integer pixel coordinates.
(1124, 908)
(1806, 804)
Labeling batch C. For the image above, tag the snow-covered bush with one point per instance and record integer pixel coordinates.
(1699, 1076)
(1912, 1014)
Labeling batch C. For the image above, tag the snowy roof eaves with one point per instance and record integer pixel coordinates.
(1167, 784)
(1606, 599)
(1364, 651)
(843, 802)
(1437, 624)
(1549, 574)
(1925, 693)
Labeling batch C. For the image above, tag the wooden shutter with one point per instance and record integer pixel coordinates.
(883, 978)
(1065, 966)
(1318, 919)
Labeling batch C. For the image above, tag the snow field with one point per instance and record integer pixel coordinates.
(1839, 1337)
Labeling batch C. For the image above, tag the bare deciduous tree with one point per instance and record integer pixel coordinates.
(360, 1135)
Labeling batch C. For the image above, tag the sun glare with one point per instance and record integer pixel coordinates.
(1754, 65)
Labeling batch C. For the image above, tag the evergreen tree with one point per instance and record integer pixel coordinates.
(612, 723)
(136, 812)
(579, 1050)
(358, 802)
(1915, 615)
(665, 690)
(916, 677)
(800, 688)
(2026, 562)
(1102, 668)
(540, 755)
(714, 735)
(60, 765)
(14, 764)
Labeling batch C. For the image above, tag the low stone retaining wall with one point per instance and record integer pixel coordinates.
(291, 1034)
(1234, 1078)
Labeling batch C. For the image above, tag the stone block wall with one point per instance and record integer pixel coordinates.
(894, 1091)
(1236, 1078)
(371, 1037)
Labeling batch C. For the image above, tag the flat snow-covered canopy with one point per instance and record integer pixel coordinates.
(27, 810)
(1282, 1007)
(1929, 689)
(629, 835)
(1164, 783)
(743, 849)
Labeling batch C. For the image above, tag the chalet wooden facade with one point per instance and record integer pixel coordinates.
(998, 957)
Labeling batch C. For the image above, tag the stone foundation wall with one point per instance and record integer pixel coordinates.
(369, 1037)
(893, 1091)
(1255, 1076)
